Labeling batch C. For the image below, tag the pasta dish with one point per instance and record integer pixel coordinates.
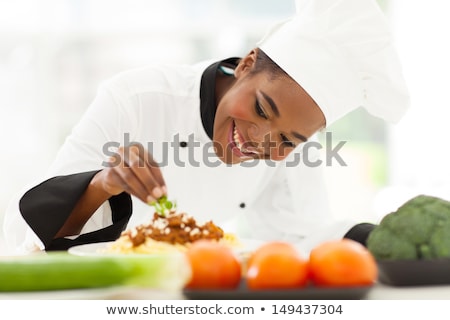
(173, 232)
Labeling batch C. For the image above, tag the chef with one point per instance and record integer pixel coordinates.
(231, 140)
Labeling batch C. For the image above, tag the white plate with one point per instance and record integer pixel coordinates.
(90, 249)
(95, 249)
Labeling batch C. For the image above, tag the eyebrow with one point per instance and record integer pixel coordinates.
(299, 136)
(272, 104)
(275, 110)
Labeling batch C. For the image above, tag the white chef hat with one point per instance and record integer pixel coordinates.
(341, 53)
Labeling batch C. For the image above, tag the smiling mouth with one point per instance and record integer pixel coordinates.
(241, 147)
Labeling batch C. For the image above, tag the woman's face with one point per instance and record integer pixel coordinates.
(263, 118)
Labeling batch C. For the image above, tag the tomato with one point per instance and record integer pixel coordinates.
(342, 263)
(276, 265)
(213, 265)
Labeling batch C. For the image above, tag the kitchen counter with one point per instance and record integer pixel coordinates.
(384, 292)
(378, 292)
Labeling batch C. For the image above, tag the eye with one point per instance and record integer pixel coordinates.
(259, 110)
(286, 142)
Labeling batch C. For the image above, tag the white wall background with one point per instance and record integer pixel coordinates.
(419, 145)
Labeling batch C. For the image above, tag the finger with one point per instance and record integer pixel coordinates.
(136, 161)
(156, 171)
(129, 181)
(131, 184)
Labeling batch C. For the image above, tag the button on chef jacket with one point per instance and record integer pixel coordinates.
(170, 111)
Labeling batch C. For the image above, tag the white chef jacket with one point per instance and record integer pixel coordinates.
(158, 106)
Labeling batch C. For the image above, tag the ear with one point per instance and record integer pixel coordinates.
(246, 64)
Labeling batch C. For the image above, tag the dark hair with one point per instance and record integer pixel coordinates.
(265, 64)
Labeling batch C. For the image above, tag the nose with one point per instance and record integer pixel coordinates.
(259, 132)
(260, 137)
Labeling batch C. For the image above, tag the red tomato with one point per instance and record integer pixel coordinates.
(213, 265)
(342, 263)
(276, 265)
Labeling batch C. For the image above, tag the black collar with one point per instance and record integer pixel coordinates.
(208, 93)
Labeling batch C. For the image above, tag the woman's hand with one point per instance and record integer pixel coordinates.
(133, 170)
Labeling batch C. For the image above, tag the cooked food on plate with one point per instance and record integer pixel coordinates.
(169, 230)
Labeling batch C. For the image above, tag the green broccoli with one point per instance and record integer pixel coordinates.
(440, 240)
(419, 229)
(384, 244)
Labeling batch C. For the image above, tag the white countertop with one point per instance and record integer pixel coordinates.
(378, 292)
(384, 292)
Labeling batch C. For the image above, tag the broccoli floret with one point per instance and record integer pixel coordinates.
(422, 223)
(436, 207)
(440, 241)
(385, 245)
(413, 224)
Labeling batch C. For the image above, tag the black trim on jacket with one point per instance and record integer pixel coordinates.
(208, 93)
(47, 206)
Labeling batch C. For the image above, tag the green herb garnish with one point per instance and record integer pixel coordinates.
(163, 206)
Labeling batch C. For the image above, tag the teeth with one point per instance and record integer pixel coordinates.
(237, 141)
(251, 151)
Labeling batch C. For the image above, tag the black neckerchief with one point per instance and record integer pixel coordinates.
(208, 93)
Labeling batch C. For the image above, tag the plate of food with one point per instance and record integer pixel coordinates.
(340, 269)
(307, 293)
(168, 231)
(121, 247)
